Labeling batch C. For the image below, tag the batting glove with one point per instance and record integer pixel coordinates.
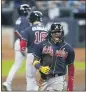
(44, 69)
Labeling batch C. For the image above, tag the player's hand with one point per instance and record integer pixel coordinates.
(44, 69)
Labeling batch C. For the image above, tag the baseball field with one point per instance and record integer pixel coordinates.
(19, 82)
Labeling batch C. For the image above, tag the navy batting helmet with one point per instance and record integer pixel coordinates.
(24, 9)
(56, 28)
(35, 16)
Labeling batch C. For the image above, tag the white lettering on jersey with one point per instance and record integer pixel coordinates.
(39, 28)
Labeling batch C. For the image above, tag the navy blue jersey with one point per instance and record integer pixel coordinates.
(20, 24)
(34, 35)
(56, 56)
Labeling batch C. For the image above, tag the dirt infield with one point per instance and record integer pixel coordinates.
(19, 82)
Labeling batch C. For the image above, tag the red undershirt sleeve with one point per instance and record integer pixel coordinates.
(70, 77)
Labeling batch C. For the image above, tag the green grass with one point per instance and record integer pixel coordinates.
(79, 65)
(6, 65)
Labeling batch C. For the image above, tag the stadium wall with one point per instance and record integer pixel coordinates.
(8, 52)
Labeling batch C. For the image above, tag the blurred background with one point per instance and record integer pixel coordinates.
(72, 15)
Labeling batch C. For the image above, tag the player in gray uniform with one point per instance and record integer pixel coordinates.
(30, 38)
(21, 23)
(51, 58)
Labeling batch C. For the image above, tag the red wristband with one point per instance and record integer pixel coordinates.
(23, 45)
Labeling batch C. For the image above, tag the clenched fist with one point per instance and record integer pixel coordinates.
(44, 69)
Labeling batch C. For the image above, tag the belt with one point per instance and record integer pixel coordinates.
(51, 76)
(58, 75)
(54, 75)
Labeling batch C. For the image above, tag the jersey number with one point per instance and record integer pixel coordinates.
(40, 36)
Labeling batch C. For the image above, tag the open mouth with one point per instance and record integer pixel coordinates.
(56, 38)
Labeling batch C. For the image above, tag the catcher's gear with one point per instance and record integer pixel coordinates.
(44, 69)
(35, 16)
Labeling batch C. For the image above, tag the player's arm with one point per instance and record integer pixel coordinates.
(37, 56)
(37, 52)
(23, 40)
(17, 27)
(17, 34)
(70, 63)
(23, 45)
(27, 38)
(70, 77)
(37, 60)
(43, 69)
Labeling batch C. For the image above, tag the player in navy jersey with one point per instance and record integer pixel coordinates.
(51, 58)
(32, 36)
(21, 23)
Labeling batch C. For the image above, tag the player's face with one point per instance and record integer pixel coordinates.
(56, 35)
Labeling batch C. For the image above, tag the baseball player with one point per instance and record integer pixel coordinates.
(51, 58)
(21, 23)
(30, 38)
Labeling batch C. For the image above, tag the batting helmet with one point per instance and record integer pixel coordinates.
(35, 16)
(56, 28)
(24, 9)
